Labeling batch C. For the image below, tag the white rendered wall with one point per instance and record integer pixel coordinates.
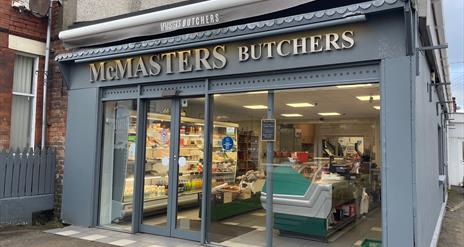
(456, 150)
(89, 10)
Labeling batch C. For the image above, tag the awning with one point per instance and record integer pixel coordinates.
(201, 14)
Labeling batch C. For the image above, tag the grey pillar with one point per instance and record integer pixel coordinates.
(269, 161)
(80, 157)
(397, 152)
(207, 166)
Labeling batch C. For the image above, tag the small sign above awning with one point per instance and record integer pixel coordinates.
(202, 14)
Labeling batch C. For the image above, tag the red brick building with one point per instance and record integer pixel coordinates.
(22, 50)
(22, 58)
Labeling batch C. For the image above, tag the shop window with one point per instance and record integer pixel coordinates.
(326, 163)
(462, 157)
(118, 164)
(238, 164)
(22, 129)
(326, 175)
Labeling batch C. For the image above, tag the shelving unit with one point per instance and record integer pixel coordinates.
(248, 149)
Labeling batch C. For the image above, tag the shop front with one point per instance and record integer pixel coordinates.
(186, 136)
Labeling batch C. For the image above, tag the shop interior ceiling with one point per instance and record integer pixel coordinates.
(230, 107)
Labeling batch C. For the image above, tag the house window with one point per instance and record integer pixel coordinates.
(462, 146)
(441, 160)
(22, 129)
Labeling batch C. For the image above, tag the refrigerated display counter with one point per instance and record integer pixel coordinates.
(155, 190)
(312, 204)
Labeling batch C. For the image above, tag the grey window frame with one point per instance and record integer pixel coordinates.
(364, 72)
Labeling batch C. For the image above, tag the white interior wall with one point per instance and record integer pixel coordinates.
(368, 128)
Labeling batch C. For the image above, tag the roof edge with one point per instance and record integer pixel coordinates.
(237, 30)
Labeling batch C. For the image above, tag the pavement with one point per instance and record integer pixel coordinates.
(73, 236)
(21, 237)
(452, 232)
(116, 238)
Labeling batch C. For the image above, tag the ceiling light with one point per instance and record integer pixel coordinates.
(354, 86)
(291, 115)
(255, 107)
(300, 104)
(368, 97)
(329, 114)
(377, 107)
(257, 92)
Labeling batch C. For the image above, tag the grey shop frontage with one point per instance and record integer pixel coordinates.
(186, 136)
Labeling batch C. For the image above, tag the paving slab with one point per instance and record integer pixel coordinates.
(114, 238)
(38, 238)
(452, 232)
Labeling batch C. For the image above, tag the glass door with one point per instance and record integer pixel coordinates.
(189, 169)
(157, 168)
(172, 174)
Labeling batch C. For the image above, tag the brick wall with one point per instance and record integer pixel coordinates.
(56, 119)
(25, 25)
(22, 24)
(57, 103)
(6, 86)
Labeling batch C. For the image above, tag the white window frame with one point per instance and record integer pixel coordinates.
(33, 96)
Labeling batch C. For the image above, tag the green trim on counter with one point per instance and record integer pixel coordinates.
(235, 207)
(287, 181)
(315, 227)
(371, 243)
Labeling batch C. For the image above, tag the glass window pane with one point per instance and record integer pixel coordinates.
(23, 74)
(21, 120)
(21, 110)
(237, 217)
(462, 146)
(118, 159)
(326, 175)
